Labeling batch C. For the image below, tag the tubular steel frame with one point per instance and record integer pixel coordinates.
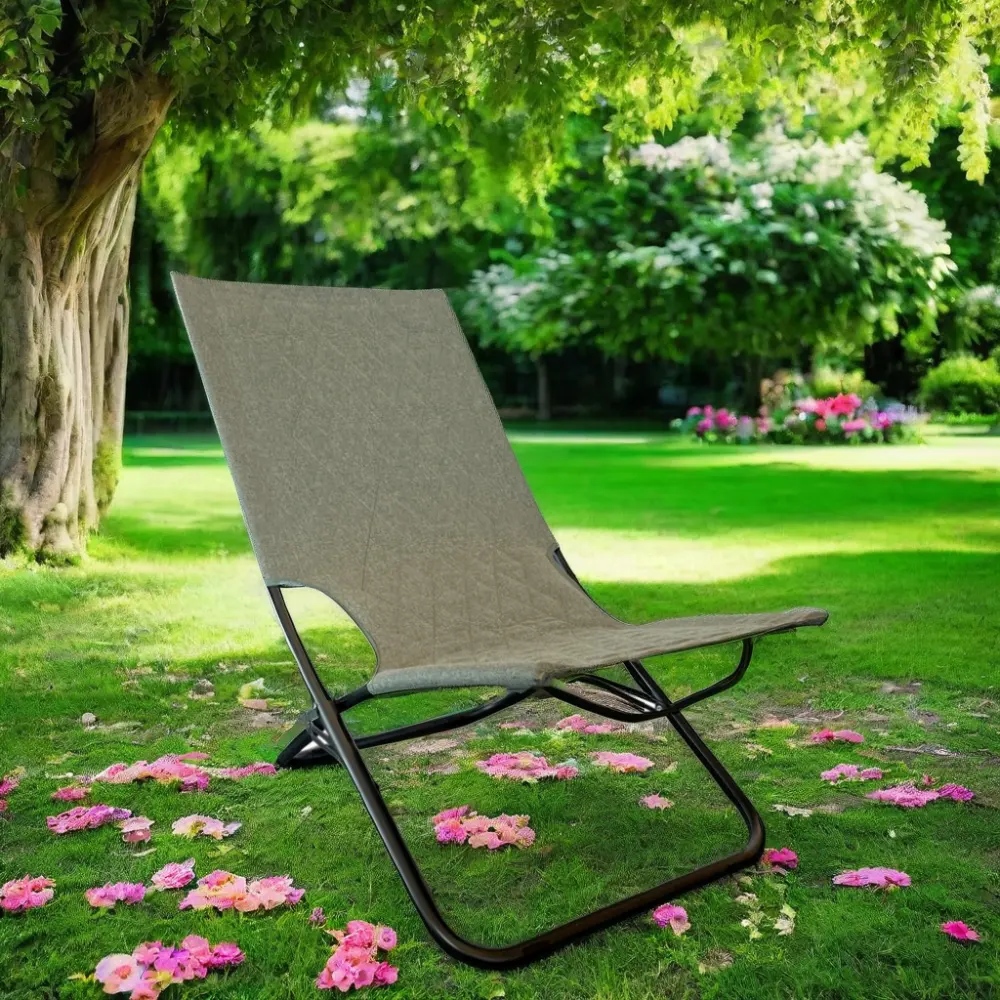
(322, 737)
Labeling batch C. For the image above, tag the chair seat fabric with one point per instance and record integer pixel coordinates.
(525, 664)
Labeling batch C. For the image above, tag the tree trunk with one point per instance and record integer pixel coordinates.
(544, 402)
(64, 248)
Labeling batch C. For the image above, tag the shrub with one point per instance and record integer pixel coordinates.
(962, 384)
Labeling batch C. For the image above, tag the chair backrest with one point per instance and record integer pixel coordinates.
(371, 465)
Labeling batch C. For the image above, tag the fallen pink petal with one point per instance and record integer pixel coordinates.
(182, 770)
(883, 877)
(461, 826)
(623, 763)
(906, 796)
(851, 772)
(71, 793)
(783, 857)
(672, 916)
(222, 890)
(836, 735)
(656, 802)
(26, 894)
(958, 793)
(105, 896)
(578, 724)
(525, 766)
(175, 875)
(205, 826)
(86, 818)
(959, 930)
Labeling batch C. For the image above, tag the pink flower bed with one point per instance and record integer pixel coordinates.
(223, 890)
(355, 962)
(462, 826)
(26, 894)
(623, 763)
(524, 767)
(153, 966)
(885, 878)
(836, 419)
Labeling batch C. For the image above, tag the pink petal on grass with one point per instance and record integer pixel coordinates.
(906, 796)
(623, 763)
(672, 916)
(460, 826)
(85, 818)
(175, 875)
(105, 896)
(834, 735)
(135, 830)
(783, 857)
(656, 801)
(957, 792)
(524, 766)
(959, 930)
(26, 894)
(71, 793)
(206, 826)
(883, 877)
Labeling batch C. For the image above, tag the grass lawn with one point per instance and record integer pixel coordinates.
(900, 544)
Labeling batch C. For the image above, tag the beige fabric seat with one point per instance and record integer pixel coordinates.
(370, 464)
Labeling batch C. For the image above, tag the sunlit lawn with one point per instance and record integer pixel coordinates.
(900, 544)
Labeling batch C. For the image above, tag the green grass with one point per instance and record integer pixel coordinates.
(900, 545)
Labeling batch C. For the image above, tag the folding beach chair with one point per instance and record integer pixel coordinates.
(371, 465)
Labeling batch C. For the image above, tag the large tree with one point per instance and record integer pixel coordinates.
(87, 84)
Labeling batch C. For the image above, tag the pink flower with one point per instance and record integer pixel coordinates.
(783, 857)
(119, 973)
(674, 917)
(354, 962)
(192, 826)
(71, 793)
(884, 877)
(959, 930)
(223, 890)
(26, 894)
(8, 784)
(623, 763)
(175, 875)
(525, 766)
(135, 830)
(105, 897)
(703, 426)
(820, 424)
(656, 801)
(385, 938)
(86, 818)
(317, 918)
(853, 426)
(178, 769)
(694, 411)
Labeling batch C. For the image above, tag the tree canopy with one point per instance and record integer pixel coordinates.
(69, 63)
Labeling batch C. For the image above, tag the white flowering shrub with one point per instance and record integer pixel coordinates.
(762, 249)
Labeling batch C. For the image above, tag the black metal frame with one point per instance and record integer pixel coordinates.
(322, 737)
